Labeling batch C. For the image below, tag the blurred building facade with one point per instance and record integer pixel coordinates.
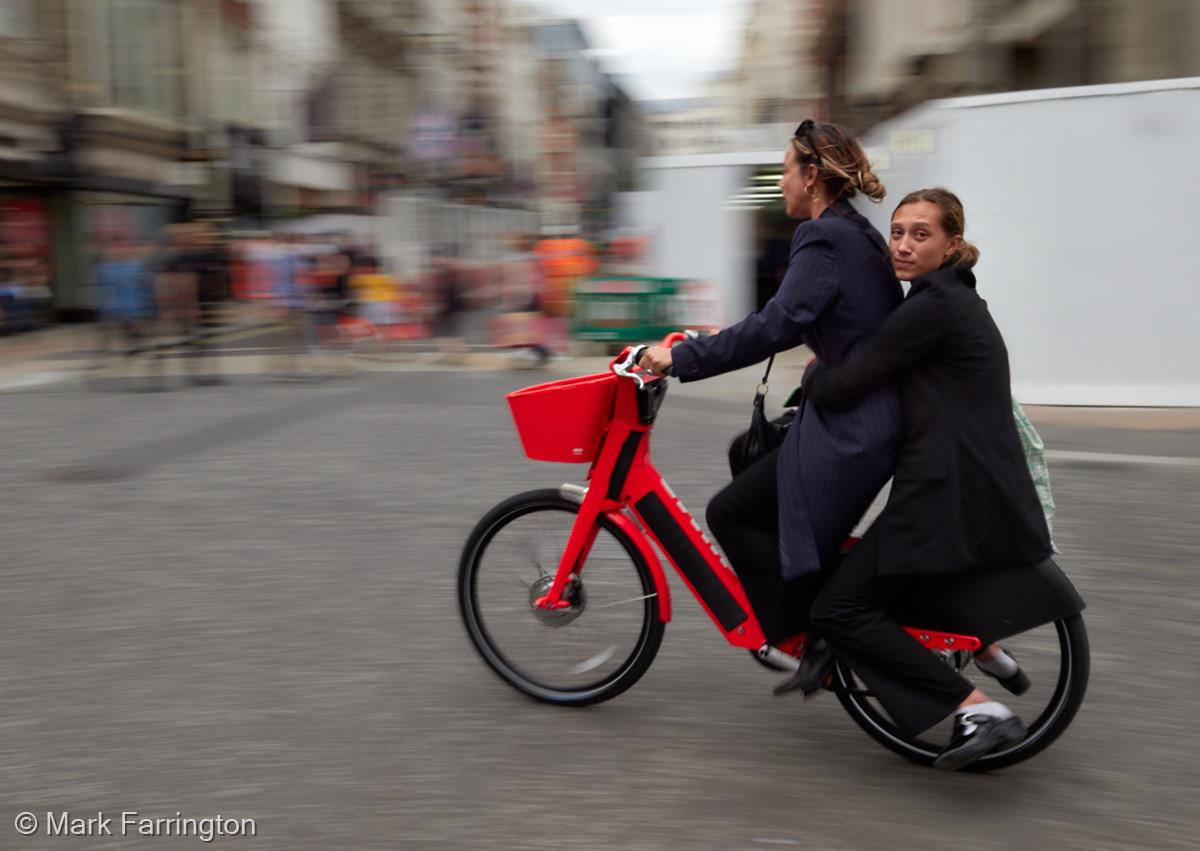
(303, 168)
(692, 126)
(860, 62)
(778, 79)
(880, 57)
(574, 93)
(125, 115)
(120, 114)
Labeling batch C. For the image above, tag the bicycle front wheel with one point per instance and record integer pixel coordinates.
(589, 652)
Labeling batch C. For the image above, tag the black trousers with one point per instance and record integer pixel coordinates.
(915, 687)
(744, 518)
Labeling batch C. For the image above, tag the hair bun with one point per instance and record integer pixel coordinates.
(967, 255)
(843, 168)
(870, 185)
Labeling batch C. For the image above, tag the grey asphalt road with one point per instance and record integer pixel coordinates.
(239, 600)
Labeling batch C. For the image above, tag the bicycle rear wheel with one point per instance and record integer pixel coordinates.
(1054, 656)
(584, 654)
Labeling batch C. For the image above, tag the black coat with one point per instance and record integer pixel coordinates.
(962, 495)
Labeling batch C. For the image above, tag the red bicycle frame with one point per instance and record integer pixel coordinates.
(625, 487)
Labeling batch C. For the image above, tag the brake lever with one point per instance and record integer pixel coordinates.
(623, 367)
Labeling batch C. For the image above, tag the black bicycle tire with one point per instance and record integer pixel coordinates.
(1062, 707)
(620, 680)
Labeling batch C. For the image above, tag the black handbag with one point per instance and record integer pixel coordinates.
(763, 435)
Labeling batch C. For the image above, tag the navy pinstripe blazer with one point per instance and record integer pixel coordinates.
(838, 288)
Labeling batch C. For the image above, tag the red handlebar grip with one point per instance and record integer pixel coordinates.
(673, 338)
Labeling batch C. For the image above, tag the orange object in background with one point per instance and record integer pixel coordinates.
(568, 257)
(564, 262)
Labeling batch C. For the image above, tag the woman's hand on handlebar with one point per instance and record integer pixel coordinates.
(656, 360)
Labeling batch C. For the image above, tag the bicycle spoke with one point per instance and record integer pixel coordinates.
(594, 662)
(535, 557)
(622, 602)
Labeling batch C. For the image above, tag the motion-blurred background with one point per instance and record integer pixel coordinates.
(564, 173)
(364, 221)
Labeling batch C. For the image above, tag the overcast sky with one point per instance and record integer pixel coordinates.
(664, 48)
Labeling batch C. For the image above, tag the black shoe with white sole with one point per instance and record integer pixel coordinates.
(976, 736)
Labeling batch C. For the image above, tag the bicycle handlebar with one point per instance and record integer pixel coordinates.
(625, 365)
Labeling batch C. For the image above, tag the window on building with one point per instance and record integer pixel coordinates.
(134, 47)
(144, 55)
(355, 98)
(360, 98)
(234, 79)
(16, 18)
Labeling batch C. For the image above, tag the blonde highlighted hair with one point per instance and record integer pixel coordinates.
(842, 167)
(954, 220)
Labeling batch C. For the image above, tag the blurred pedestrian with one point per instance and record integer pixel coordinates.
(329, 298)
(24, 294)
(204, 261)
(375, 292)
(447, 286)
(125, 300)
(290, 293)
(174, 296)
(566, 260)
(519, 324)
(338, 268)
(10, 301)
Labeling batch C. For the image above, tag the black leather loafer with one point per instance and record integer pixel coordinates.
(815, 667)
(976, 736)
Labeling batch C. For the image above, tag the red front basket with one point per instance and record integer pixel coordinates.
(564, 420)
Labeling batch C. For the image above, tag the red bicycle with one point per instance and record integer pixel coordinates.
(563, 593)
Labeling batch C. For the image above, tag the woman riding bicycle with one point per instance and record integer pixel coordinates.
(962, 497)
(782, 520)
